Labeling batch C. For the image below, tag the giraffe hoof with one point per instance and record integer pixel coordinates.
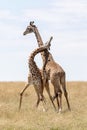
(44, 110)
(60, 110)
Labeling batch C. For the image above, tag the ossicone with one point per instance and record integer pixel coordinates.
(31, 23)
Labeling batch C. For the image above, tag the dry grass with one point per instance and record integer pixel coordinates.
(30, 118)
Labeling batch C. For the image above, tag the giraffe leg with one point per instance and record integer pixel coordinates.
(41, 98)
(60, 100)
(58, 97)
(38, 101)
(65, 91)
(57, 91)
(21, 94)
(55, 96)
(48, 91)
(38, 96)
(43, 102)
(66, 96)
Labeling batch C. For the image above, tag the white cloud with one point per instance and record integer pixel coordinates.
(74, 6)
(59, 9)
(7, 15)
(38, 14)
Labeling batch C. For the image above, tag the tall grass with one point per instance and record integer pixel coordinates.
(31, 118)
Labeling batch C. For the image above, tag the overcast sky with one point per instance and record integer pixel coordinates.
(65, 20)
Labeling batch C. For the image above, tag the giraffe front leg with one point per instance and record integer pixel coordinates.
(38, 97)
(38, 101)
(43, 103)
(21, 95)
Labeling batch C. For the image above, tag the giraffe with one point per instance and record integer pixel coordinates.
(35, 77)
(57, 74)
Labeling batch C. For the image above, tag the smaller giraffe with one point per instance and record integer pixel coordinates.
(35, 76)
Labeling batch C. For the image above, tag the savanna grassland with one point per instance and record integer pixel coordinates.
(31, 118)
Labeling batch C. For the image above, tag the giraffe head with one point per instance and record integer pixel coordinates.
(48, 43)
(30, 28)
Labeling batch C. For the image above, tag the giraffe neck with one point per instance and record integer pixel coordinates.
(32, 64)
(40, 43)
(38, 37)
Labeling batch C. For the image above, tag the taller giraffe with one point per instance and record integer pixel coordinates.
(35, 77)
(57, 74)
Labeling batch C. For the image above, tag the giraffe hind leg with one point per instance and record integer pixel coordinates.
(60, 100)
(65, 91)
(57, 92)
(66, 96)
(48, 91)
